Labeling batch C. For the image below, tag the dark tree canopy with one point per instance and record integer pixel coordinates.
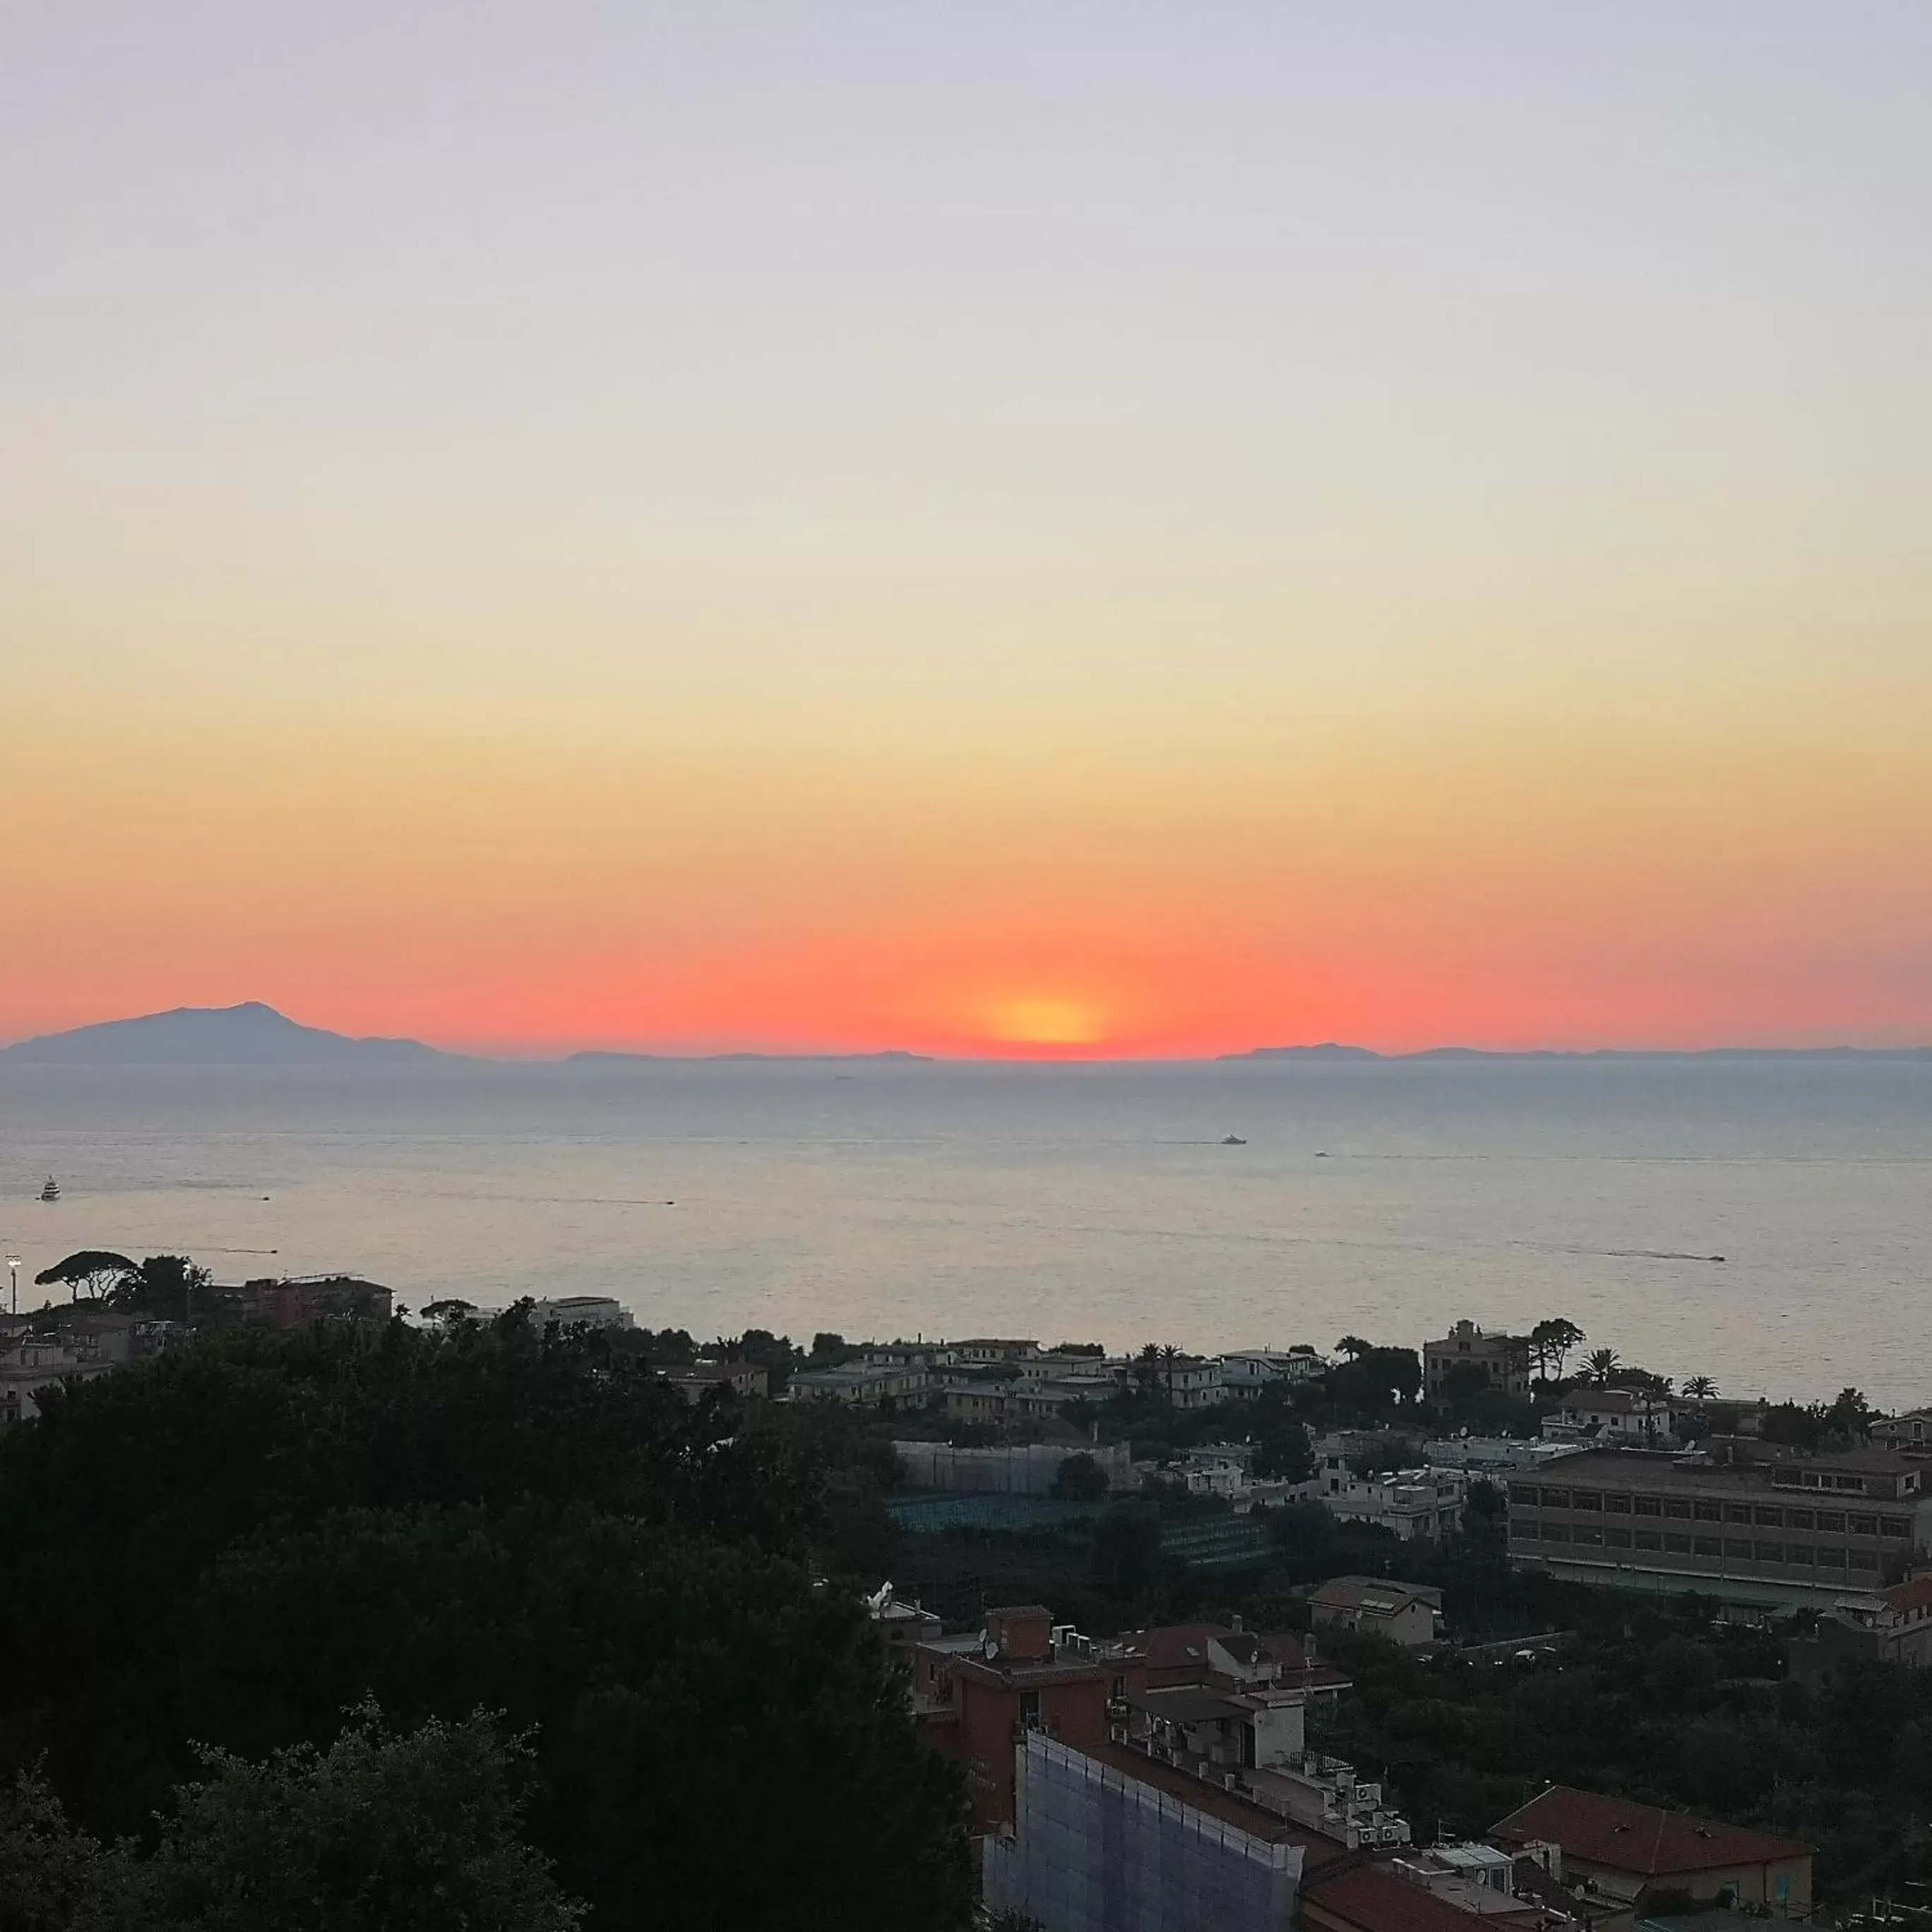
(375, 1831)
(233, 1543)
(91, 1268)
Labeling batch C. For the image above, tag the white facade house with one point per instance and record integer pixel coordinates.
(580, 1311)
(1245, 1372)
(1424, 1504)
(1632, 1417)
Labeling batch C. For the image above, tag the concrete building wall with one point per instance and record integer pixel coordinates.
(1021, 1469)
(1094, 1850)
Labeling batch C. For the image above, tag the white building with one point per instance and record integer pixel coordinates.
(1629, 1418)
(1424, 1504)
(1245, 1372)
(580, 1311)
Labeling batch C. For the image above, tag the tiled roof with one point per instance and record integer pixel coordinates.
(1381, 1593)
(1174, 1646)
(1639, 1838)
(1378, 1901)
(1915, 1595)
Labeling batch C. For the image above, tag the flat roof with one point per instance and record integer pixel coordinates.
(1244, 1813)
(1644, 1466)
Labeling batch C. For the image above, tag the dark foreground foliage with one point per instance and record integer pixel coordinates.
(233, 1546)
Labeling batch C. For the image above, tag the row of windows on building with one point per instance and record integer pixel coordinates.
(1744, 1549)
(1707, 1509)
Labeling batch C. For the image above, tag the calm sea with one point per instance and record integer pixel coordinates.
(1058, 1202)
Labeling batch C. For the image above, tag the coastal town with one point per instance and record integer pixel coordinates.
(1284, 1543)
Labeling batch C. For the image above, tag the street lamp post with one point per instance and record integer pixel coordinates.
(13, 1268)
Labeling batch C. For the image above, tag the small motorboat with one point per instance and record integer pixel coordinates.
(51, 1192)
(1232, 1140)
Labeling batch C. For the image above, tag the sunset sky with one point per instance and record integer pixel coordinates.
(1093, 529)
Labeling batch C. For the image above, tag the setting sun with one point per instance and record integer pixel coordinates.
(1047, 1019)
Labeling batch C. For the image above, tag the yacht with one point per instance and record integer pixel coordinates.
(52, 1190)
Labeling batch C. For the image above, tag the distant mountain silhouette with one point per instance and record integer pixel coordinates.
(249, 1035)
(1329, 1051)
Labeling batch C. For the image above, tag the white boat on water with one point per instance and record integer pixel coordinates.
(52, 1190)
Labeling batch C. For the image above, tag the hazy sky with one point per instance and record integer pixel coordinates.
(1103, 527)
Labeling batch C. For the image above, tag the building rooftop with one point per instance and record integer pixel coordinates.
(1639, 1838)
(1903, 1599)
(1645, 1465)
(1374, 1593)
(1614, 1401)
(1229, 1807)
(1184, 1647)
(1375, 1899)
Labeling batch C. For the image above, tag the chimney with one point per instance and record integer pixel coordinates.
(1236, 1620)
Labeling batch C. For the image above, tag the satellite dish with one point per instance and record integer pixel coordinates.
(990, 1648)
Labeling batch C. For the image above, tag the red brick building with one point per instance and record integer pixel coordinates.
(976, 1695)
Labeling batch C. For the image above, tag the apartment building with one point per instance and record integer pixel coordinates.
(863, 1386)
(1193, 1382)
(976, 1692)
(1245, 1372)
(1756, 1534)
(299, 1301)
(982, 1351)
(1414, 1504)
(1105, 1837)
(1503, 1359)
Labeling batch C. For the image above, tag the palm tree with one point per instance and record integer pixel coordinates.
(1600, 1364)
(1169, 1356)
(1700, 1388)
(1353, 1346)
